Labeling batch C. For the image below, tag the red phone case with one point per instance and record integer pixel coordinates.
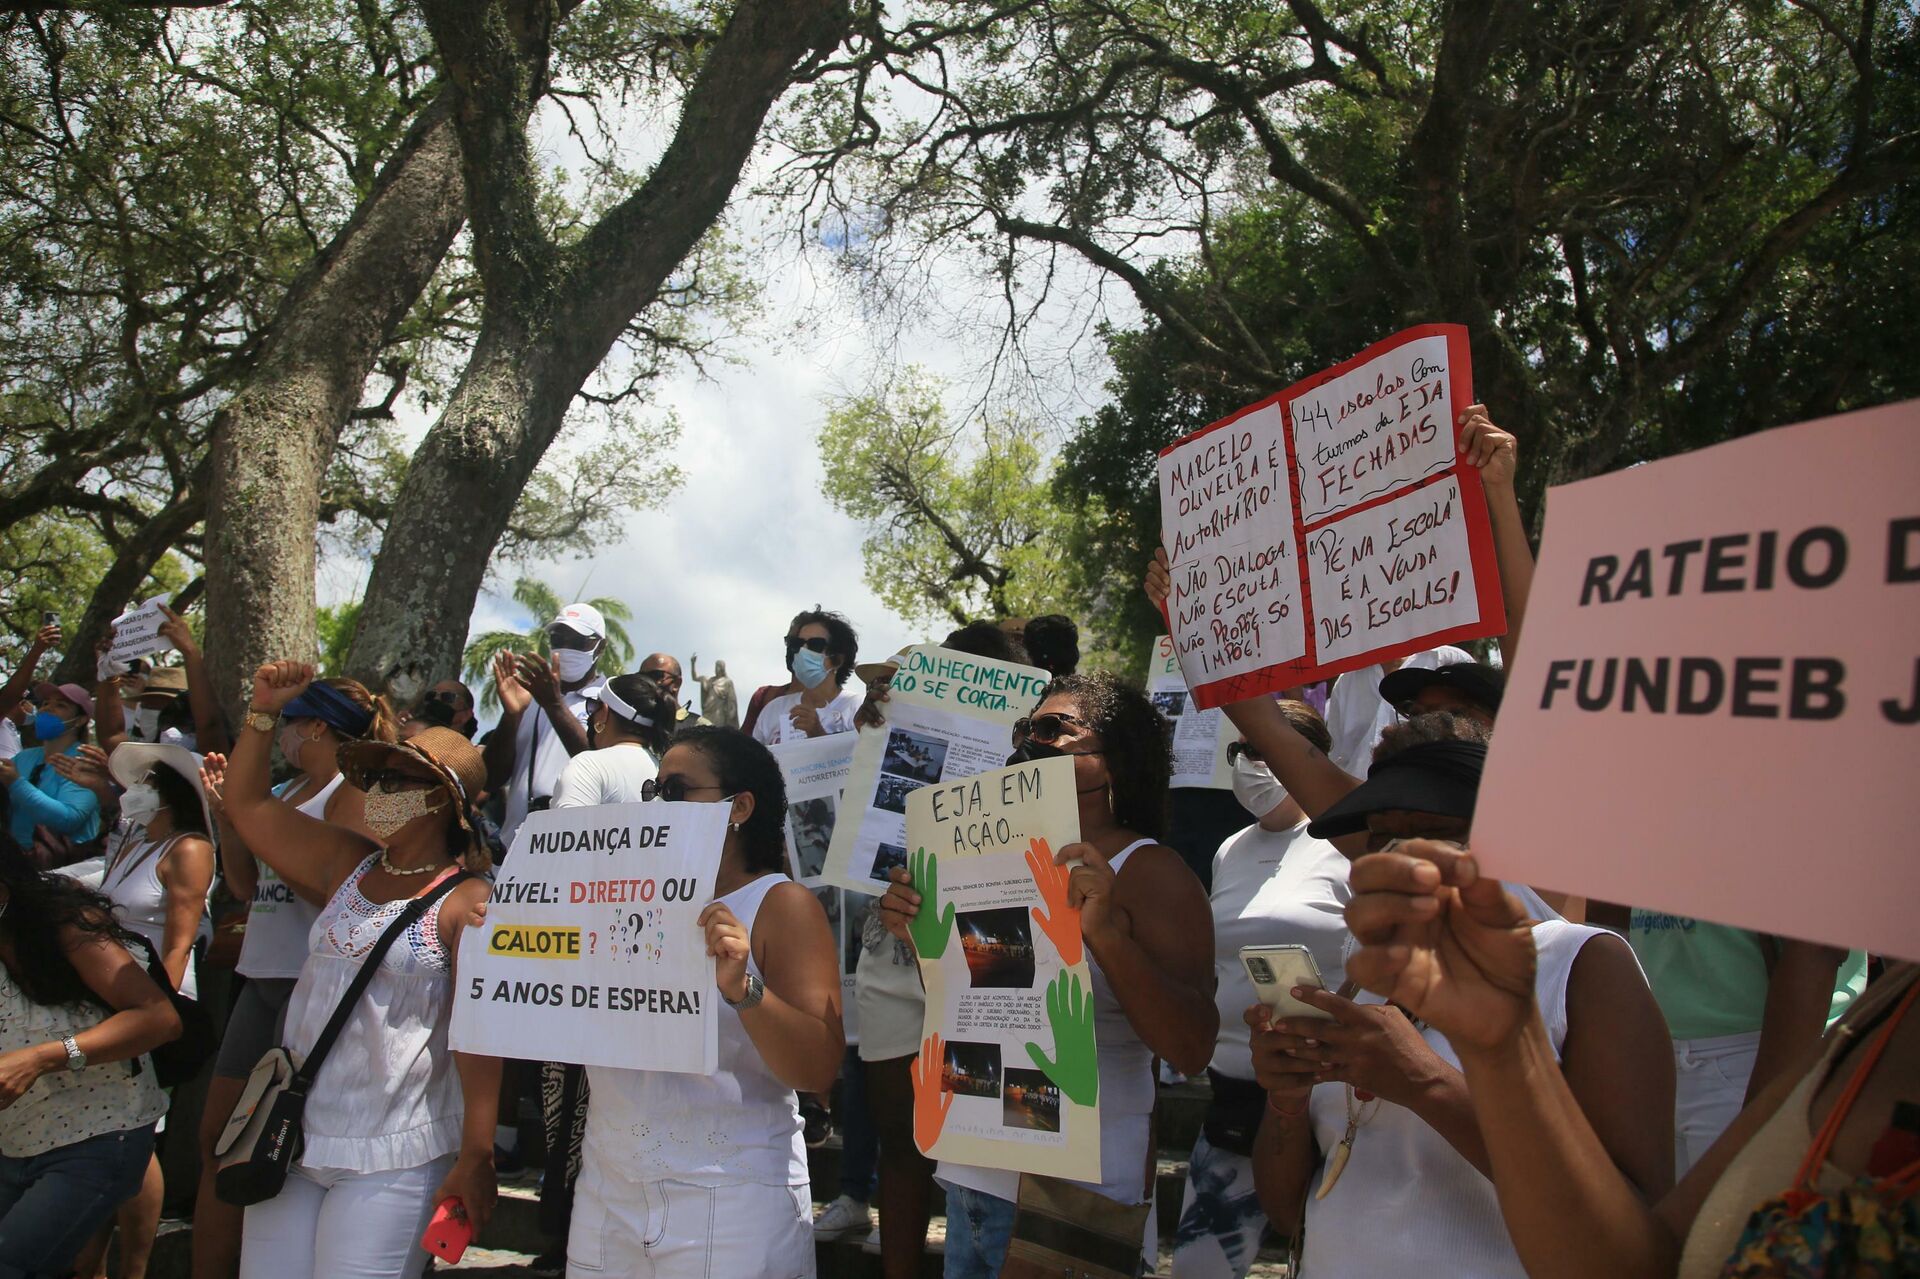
(450, 1231)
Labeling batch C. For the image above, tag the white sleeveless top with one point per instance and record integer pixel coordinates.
(1408, 1202)
(1126, 1100)
(278, 921)
(132, 883)
(65, 1106)
(738, 1126)
(387, 1096)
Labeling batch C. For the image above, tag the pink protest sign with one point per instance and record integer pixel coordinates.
(1713, 712)
(1331, 526)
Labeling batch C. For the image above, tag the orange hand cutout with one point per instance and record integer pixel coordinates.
(1061, 922)
(932, 1099)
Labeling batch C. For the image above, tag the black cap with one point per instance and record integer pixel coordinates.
(1476, 681)
(1428, 777)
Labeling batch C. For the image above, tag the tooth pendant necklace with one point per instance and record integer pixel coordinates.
(1361, 1107)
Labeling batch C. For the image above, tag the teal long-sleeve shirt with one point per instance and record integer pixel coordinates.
(41, 797)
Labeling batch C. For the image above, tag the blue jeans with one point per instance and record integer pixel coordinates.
(979, 1227)
(51, 1204)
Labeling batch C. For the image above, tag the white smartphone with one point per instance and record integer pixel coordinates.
(1275, 971)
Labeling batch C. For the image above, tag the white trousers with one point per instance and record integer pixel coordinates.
(332, 1224)
(1710, 1087)
(672, 1230)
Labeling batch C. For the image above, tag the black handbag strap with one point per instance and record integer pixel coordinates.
(303, 1078)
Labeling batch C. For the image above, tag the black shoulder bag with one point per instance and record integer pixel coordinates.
(263, 1137)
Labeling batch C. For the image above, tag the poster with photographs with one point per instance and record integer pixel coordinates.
(815, 770)
(949, 715)
(1200, 737)
(1007, 1075)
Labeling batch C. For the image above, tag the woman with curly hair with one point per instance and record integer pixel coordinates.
(1149, 937)
(76, 1122)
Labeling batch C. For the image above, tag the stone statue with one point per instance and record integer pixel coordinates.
(717, 700)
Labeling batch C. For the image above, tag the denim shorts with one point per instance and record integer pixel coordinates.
(51, 1204)
(979, 1227)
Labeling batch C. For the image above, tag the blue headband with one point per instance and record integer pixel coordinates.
(331, 707)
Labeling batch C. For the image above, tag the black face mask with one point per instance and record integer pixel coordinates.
(1030, 750)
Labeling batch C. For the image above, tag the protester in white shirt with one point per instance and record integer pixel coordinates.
(821, 651)
(527, 752)
(629, 724)
(1272, 884)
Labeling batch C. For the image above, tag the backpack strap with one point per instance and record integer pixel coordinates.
(303, 1078)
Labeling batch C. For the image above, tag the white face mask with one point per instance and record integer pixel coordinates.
(146, 722)
(1254, 786)
(575, 664)
(140, 803)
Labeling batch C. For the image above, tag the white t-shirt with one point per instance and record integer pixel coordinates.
(1272, 888)
(1356, 716)
(611, 775)
(539, 757)
(773, 726)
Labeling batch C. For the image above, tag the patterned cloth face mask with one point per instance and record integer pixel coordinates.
(388, 810)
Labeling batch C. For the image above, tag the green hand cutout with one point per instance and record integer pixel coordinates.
(932, 926)
(1074, 1067)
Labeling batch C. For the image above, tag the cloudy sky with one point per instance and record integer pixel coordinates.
(749, 539)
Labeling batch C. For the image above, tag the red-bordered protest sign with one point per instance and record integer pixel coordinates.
(1331, 526)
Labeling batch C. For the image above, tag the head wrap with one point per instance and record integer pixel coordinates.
(331, 707)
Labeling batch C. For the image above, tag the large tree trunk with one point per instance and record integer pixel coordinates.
(273, 441)
(552, 312)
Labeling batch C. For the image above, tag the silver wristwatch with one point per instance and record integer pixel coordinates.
(76, 1060)
(756, 991)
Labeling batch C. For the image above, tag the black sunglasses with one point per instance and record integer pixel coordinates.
(1237, 749)
(447, 696)
(567, 637)
(1045, 729)
(655, 675)
(671, 789)
(794, 644)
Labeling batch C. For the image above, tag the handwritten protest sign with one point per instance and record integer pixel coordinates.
(1007, 1075)
(815, 770)
(1331, 526)
(136, 632)
(1200, 735)
(949, 715)
(590, 947)
(1726, 646)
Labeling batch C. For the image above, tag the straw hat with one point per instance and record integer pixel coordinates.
(451, 757)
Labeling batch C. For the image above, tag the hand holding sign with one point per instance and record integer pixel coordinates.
(930, 925)
(932, 1099)
(1074, 1066)
(728, 943)
(1061, 923)
(1090, 889)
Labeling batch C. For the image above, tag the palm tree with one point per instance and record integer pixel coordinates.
(540, 600)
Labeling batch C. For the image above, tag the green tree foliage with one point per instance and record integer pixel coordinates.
(1663, 223)
(544, 604)
(957, 527)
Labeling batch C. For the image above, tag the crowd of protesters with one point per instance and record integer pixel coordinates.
(1489, 1080)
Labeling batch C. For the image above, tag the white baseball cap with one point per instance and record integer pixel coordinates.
(584, 618)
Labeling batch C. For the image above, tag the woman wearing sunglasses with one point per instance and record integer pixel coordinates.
(392, 1104)
(700, 1175)
(821, 651)
(1149, 936)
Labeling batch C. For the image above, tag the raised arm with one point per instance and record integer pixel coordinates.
(498, 753)
(542, 680)
(21, 680)
(1496, 453)
(209, 726)
(236, 863)
(312, 856)
(109, 713)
